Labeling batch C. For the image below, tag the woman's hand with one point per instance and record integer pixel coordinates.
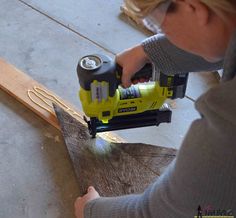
(81, 201)
(131, 60)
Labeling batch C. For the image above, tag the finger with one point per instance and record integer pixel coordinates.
(91, 188)
(92, 193)
(77, 200)
(126, 80)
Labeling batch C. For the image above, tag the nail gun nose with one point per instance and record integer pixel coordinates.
(91, 127)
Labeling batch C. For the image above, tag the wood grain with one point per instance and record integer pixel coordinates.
(114, 169)
(16, 83)
(135, 21)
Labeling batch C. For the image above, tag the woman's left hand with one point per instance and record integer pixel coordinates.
(81, 201)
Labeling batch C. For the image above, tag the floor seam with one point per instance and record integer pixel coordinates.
(65, 26)
(189, 98)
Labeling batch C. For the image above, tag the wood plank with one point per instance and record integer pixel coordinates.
(114, 169)
(17, 84)
(134, 21)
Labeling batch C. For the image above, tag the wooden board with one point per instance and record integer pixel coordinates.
(134, 21)
(17, 84)
(114, 169)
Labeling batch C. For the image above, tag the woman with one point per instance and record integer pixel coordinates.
(199, 35)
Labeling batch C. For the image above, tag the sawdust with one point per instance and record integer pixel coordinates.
(51, 136)
(57, 139)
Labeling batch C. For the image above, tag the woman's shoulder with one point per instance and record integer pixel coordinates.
(219, 103)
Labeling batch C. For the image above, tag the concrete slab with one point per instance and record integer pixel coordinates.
(97, 20)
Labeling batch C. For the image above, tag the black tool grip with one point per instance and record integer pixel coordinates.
(144, 73)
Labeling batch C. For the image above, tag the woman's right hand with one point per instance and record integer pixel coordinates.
(131, 60)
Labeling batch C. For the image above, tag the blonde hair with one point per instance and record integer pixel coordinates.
(141, 8)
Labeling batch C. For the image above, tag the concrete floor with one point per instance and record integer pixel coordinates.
(45, 39)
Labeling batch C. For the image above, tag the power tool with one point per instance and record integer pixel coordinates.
(111, 107)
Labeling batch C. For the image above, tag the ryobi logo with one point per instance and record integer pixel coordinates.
(127, 109)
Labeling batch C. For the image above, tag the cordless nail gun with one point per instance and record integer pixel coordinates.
(111, 107)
